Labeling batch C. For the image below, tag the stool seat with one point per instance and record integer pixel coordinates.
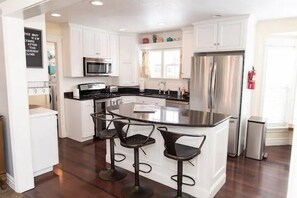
(183, 152)
(107, 134)
(137, 140)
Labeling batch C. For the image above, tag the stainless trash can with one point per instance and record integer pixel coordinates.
(256, 136)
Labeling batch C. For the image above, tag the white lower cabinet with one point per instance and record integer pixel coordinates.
(79, 123)
(128, 99)
(152, 101)
(44, 140)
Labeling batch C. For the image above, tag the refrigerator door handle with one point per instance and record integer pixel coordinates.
(209, 89)
(213, 82)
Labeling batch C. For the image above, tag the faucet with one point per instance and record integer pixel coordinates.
(164, 87)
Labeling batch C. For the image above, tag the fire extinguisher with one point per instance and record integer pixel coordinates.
(251, 82)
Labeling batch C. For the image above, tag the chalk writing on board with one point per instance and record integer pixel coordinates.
(33, 44)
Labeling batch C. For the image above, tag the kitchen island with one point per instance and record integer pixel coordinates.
(208, 169)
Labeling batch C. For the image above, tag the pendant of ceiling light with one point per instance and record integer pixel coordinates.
(96, 3)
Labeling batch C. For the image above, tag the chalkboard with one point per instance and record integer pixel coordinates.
(33, 44)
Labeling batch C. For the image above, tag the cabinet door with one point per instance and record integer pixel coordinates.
(187, 54)
(126, 74)
(205, 37)
(96, 44)
(76, 52)
(128, 99)
(102, 45)
(127, 53)
(151, 101)
(89, 43)
(87, 108)
(232, 35)
(114, 54)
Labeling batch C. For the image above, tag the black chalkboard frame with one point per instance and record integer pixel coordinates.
(40, 56)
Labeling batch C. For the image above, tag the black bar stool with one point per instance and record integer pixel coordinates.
(113, 173)
(180, 153)
(123, 126)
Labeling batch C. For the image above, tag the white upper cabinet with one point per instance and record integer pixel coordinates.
(72, 51)
(114, 53)
(220, 35)
(187, 52)
(96, 44)
(127, 61)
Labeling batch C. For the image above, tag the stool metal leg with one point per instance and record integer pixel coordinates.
(114, 173)
(136, 191)
(179, 178)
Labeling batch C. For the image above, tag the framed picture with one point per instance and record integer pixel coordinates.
(33, 45)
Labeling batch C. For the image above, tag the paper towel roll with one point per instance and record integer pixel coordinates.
(141, 85)
(75, 93)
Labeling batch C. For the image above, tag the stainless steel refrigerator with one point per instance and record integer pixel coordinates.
(216, 85)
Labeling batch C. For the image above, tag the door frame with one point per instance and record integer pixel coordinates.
(60, 99)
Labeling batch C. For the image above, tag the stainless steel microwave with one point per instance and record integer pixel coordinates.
(97, 67)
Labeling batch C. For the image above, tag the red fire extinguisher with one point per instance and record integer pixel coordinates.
(251, 82)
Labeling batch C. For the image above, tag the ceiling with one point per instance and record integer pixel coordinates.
(145, 15)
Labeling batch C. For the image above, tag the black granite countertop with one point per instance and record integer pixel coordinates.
(133, 92)
(170, 116)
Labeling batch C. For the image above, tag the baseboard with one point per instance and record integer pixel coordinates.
(278, 141)
(10, 181)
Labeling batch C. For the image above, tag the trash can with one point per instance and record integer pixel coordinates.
(256, 136)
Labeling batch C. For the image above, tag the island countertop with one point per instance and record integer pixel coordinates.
(170, 116)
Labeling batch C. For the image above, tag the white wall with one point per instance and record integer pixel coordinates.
(292, 190)
(264, 30)
(17, 117)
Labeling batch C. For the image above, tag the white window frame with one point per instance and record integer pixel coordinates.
(163, 66)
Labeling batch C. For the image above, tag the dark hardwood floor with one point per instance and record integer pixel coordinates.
(76, 175)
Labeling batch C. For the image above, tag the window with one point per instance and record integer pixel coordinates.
(280, 82)
(164, 63)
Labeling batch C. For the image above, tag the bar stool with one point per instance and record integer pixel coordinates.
(123, 126)
(113, 173)
(180, 153)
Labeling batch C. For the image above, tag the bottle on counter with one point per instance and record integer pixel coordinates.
(183, 91)
(178, 92)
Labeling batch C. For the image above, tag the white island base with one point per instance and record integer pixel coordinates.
(209, 170)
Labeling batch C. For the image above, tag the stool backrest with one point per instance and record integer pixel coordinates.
(102, 117)
(120, 123)
(171, 137)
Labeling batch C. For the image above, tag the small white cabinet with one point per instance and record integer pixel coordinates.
(72, 51)
(44, 140)
(220, 35)
(128, 54)
(187, 52)
(79, 123)
(96, 44)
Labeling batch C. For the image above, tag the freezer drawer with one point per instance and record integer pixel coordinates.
(256, 135)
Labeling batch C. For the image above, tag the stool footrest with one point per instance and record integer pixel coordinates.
(120, 154)
(150, 167)
(186, 176)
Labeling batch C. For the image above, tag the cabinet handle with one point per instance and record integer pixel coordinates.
(218, 43)
(215, 44)
(98, 53)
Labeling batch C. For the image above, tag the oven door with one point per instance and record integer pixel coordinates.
(100, 107)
